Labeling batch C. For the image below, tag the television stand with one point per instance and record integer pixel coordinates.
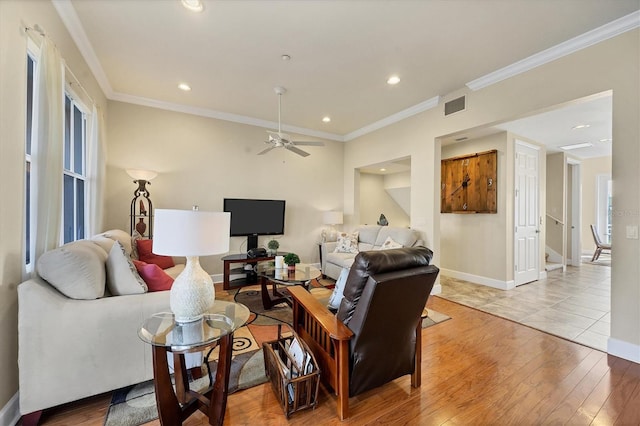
(250, 277)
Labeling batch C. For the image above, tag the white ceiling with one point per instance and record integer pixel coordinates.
(341, 53)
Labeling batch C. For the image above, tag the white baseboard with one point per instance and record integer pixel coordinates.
(542, 275)
(623, 349)
(217, 278)
(437, 289)
(10, 413)
(477, 279)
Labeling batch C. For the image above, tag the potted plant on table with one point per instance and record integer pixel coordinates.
(273, 247)
(291, 259)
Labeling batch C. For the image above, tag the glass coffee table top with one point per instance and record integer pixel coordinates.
(302, 274)
(223, 318)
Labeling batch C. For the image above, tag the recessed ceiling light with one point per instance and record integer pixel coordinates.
(193, 5)
(326, 119)
(576, 146)
(393, 80)
(383, 170)
(184, 86)
(580, 126)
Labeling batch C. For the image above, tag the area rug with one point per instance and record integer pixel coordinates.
(136, 405)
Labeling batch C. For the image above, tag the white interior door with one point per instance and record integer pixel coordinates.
(527, 215)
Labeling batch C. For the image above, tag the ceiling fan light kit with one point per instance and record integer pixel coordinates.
(283, 140)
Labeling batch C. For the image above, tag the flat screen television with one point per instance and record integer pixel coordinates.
(251, 217)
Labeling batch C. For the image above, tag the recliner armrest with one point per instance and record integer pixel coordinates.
(329, 322)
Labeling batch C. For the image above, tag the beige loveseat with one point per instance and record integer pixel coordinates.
(370, 237)
(71, 348)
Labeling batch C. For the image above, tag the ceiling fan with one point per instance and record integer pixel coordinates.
(283, 140)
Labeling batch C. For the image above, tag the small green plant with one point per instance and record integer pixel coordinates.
(273, 245)
(291, 259)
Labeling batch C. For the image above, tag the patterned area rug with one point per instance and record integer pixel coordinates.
(136, 405)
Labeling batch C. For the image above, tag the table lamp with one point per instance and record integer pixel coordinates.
(191, 233)
(331, 219)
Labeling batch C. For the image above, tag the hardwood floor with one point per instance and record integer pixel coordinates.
(478, 369)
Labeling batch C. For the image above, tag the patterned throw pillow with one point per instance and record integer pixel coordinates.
(389, 243)
(347, 243)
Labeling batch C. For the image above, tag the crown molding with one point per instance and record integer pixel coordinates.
(597, 35)
(209, 113)
(394, 118)
(70, 19)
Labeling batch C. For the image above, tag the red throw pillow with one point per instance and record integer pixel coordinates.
(154, 276)
(146, 255)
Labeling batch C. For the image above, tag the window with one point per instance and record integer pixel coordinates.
(74, 179)
(31, 65)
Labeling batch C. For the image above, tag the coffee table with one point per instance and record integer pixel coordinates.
(269, 274)
(165, 335)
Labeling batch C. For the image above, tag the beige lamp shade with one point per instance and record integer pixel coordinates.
(142, 174)
(190, 232)
(333, 218)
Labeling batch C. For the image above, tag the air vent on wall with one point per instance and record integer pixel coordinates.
(454, 106)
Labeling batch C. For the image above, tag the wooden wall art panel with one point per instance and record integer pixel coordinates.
(469, 183)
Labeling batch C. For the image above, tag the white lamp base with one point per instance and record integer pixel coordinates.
(192, 293)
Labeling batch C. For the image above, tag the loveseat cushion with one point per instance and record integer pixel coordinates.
(405, 236)
(369, 263)
(344, 260)
(115, 235)
(368, 234)
(75, 269)
(122, 275)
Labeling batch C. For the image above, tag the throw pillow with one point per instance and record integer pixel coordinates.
(119, 235)
(347, 243)
(122, 276)
(145, 254)
(336, 296)
(75, 269)
(389, 243)
(154, 276)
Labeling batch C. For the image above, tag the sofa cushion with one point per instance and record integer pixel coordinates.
(389, 243)
(368, 234)
(118, 235)
(122, 276)
(344, 260)
(347, 243)
(155, 277)
(75, 269)
(145, 254)
(405, 236)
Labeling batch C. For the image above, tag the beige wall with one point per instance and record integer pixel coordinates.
(578, 75)
(589, 170)
(202, 160)
(476, 244)
(374, 200)
(556, 190)
(14, 16)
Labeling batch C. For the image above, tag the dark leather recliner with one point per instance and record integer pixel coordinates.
(375, 337)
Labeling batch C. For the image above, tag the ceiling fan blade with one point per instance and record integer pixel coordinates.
(264, 151)
(297, 150)
(308, 143)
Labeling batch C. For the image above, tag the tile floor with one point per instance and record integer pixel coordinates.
(575, 304)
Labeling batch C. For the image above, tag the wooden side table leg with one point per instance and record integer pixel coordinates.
(266, 299)
(169, 410)
(220, 391)
(182, 378)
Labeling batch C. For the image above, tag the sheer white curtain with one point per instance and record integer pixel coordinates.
(47, 150)
(96, 158)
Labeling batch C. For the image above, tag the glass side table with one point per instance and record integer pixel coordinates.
(302, 276)
(165, 335)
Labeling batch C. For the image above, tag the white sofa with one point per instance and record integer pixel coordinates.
(74, 348)
(370, 237)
